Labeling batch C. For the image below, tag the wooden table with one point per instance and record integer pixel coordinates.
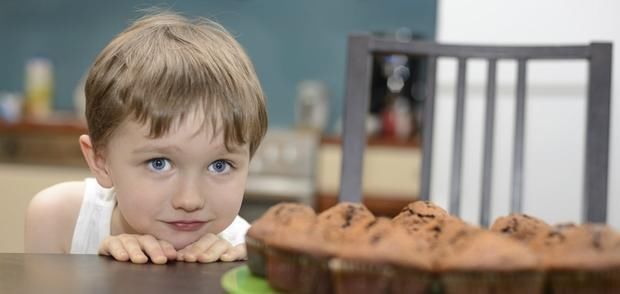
(58, 273)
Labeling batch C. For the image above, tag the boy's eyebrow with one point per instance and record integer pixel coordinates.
(176, 149)
(159, 148)
(235, 149)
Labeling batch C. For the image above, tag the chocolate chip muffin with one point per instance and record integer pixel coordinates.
(382, 259)
(480, 261)
(582, 259)
(309, 251)
(278, 219)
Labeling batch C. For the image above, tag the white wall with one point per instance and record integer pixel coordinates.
(555, 107)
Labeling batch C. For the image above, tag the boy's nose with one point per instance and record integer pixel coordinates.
(189, 198)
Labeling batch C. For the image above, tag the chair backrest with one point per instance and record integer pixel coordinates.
(361, 48)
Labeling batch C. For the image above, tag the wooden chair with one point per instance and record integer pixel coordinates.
(361, 48)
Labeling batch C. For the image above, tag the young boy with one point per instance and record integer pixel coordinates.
(175, 112)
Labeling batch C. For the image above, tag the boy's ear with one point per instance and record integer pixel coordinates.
(96, 162)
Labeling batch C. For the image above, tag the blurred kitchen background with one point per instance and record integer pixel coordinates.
(299, 51)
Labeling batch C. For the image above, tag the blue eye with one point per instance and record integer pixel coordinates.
(219, 166)
(159, 164)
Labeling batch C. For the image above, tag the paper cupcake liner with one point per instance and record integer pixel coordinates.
(412, 280)
(283, 269)
(316, 277)
(482, 282)
(297, 272)
(350, 276)
(256, 256)
(583, 281)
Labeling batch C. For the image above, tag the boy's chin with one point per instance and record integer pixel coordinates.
(181, 243)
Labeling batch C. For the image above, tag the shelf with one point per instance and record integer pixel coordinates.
(50, 142)
(377, 141)
(52, 126)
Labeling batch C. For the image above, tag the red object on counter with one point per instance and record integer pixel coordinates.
(388, 122)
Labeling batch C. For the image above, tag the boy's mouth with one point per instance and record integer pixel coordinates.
(187, 226)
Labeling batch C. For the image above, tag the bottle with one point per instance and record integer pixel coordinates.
(312, 105)
(39, 87)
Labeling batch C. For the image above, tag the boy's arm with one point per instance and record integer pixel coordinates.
(51, 217)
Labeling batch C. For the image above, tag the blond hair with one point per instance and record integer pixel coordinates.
(165, 67)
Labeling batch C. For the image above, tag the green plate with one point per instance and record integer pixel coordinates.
(240, 280)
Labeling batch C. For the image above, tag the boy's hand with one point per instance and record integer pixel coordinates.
(137, 249)
(211, 248)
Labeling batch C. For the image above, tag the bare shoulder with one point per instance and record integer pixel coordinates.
(51, 217)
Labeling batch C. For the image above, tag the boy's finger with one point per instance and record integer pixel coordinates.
(214, 252)
(235, 253)
(153, 249)
(168, 249)
(114, 247)
(132, 247)
(190, 253)
(104, 248)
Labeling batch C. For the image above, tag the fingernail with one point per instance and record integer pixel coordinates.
(159, 259)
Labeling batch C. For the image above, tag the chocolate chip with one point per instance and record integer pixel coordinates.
(372, 223)
(556, 234)
(596, 240)
(280, 210)
(421, 215)
(376, 238)
(348, 216)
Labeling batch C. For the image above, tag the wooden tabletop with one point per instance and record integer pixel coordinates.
(59, 273)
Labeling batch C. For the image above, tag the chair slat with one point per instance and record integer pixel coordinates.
(457, 146)
(597, 138)
(354, 122)
(489, 130)
(427, 129)
(519, 141)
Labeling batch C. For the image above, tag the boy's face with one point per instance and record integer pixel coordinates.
(180, 186)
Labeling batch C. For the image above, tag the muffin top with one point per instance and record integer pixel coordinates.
(418, 213)
(588, 246)
(282, 216)
(383, 242)
(339, 224)
(345, 215)
(521, 227)
(333, 227)
(443, 231)
(480, 250)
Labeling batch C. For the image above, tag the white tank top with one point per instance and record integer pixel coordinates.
(93, 222)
